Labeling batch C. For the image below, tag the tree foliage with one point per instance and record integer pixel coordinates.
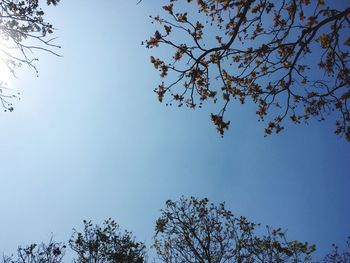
(338, 256)
(192, 230)
(102, 244)
(23, 30)
(52, 252)
(290, 58)
(188, 231)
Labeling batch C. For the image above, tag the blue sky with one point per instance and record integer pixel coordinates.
(89, 140)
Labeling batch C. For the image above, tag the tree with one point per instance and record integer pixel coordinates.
(192, 230)
(290, 58)
(106, 244)
(336, 256)
(52, 252)
(23, 30)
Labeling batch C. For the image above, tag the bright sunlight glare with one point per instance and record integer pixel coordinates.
(5, 72)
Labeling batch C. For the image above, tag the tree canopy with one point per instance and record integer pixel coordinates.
(23, 30)
(189, 230)
(193, 230)
(290, 58)
(53, 252)
(338, 255)
(103, 244)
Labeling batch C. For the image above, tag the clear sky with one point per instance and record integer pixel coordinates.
(89, 140)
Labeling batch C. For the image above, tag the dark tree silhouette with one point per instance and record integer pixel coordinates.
(188, 231)
(290, 58)
(52, 252)
(192, 230)
(23, 30)
(338, 256)
(106, 244)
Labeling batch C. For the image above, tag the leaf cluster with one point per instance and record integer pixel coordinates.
(290, 58)
(99, 244)
(52, 252)
(194, 230)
